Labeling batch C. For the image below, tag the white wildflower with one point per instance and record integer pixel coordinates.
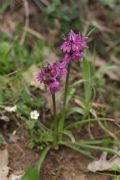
(34, 115)
(11, 108)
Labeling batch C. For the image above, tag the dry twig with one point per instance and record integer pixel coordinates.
(26, 6)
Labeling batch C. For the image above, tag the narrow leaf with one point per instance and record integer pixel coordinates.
(70, 135)
(33, 173)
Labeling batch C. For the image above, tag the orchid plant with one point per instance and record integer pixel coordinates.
(51, 75)
(73, 48)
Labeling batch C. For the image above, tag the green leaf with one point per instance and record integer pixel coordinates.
(75, 110)
(70, 94)
(56, 2)
(87, 85)
(46, 136)
(82, 122)
(40, 102)
(50, 9)
(4, 47)
(30, 124)
(77, 83)
(4, 6)
(95, 142)
(99, 148)
(80, 150)
(106, 69)
(116, 167)
(70, 135)
(92, 31)
(1, 139)
(33, 173)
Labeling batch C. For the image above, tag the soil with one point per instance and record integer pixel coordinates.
(68, 165)
(64, 164)
(20, 157)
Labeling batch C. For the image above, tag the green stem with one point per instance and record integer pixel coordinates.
(54, 105)
(55, 121)
(61, 123)
(67, 85)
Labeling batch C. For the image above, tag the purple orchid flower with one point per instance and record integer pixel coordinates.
(73, 47)
(51, 75)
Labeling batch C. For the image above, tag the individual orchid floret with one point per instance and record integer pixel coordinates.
(51, 75)
(73, 47)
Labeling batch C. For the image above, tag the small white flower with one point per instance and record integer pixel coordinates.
(34, 115)
(11, 108)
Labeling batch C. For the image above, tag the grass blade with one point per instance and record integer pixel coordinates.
(70, 135)
(33, 173)
(79, 123)
(87, 86)
(99, 148)
(82, 151)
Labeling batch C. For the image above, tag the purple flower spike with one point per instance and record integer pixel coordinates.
(73, 47)
(51, 75)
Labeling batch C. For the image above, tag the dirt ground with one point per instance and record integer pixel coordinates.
(64, 164)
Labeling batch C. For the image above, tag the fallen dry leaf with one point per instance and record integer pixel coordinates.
(4, 118)
(99, 105)
(35, 33)
(103, 164)
(7, 25)
(4, 169)
(15, 177)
